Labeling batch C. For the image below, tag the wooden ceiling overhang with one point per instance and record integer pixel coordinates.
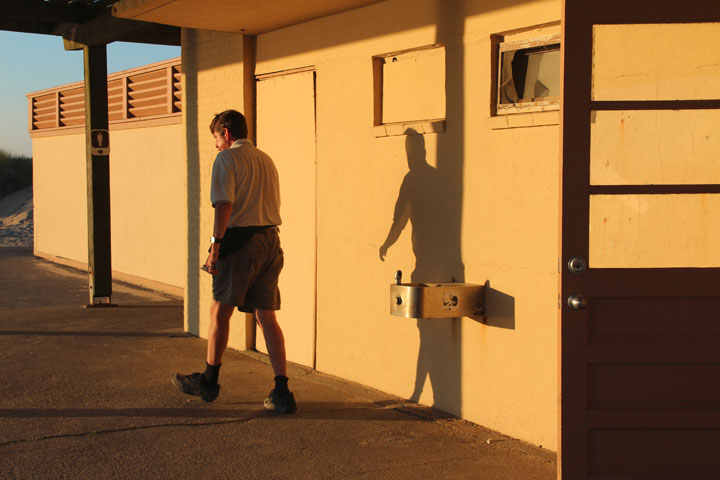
(249, 17)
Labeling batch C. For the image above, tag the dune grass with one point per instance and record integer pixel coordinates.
(15, 172)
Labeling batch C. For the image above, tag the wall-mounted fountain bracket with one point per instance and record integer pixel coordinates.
(437, 300)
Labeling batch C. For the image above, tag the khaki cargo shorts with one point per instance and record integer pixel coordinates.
(248, 278)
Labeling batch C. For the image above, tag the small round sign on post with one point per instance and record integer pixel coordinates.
(100, 142)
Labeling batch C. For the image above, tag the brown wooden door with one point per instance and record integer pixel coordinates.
(640, 349)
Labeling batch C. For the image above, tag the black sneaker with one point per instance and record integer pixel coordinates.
(280, 402)
(195, 385)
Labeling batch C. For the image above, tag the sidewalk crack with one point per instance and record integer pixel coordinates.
(127, 429)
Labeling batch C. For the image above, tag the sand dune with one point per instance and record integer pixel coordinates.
(16, 219)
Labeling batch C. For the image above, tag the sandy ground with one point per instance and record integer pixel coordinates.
(16, 219)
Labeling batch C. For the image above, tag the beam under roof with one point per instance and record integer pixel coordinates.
(31, 26)
(39, 10)
(107, 29)
(249, 17)
(81, 22)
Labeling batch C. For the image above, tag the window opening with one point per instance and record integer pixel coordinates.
(528, 75)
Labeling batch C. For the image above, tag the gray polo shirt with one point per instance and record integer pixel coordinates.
(247, 178)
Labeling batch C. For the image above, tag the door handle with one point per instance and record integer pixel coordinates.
(577, 301)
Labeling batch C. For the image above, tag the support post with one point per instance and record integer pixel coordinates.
(98, 177)
(249, 107)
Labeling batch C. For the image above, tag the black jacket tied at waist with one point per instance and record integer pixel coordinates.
(236, 238)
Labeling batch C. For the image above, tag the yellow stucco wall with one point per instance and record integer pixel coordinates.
(495, 214)
(60, 196)
(147, 201)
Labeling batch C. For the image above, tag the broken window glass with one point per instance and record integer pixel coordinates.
(529, 75)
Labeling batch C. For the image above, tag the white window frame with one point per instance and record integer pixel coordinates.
(551, 103)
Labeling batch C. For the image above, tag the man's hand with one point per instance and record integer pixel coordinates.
(211, 262)
(222, 217)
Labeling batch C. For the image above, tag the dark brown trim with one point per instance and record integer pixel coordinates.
(576, 49)
(657, 353)
(652, 189)
(614, 12)
(701, 419)
(652, 282)
(710, 104)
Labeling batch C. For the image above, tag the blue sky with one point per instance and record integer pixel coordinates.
(34, 62)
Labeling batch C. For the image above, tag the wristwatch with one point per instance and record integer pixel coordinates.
(215, 240)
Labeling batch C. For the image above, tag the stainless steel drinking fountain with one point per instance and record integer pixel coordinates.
(436, 300)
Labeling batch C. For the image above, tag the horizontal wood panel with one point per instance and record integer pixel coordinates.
(45, 124)
(156, 101)
(652, 282)
(665, 320)
(637, 419)
(45, 99)
(135, 90)
(76, 105)
(160, 93)
(657, 451)
(45, 110)
(146, 84)
(663, 11)
(653, 476)
(147, 111)
(640, 352)
(70, 122)
(656, 385)
(652, 189)
(144, 77)
(76, 120)
(72, 108)
(50, 117)
(654, 104)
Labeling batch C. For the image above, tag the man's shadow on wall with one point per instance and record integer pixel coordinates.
(425, 200)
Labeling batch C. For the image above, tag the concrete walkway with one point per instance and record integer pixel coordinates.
(86, 393)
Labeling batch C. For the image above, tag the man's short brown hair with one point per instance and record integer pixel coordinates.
(233, 120)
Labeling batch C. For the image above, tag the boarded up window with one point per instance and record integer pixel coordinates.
(410, 85)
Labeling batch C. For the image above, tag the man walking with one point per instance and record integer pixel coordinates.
(245, 257)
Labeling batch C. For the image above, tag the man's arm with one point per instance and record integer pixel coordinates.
(222, 218)
(400, 219)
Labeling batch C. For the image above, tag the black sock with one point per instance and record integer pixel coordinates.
(281, 384)
(212, 372)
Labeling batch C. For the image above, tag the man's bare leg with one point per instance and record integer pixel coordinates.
(280, 399)
(274, 340)
(218, 331)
